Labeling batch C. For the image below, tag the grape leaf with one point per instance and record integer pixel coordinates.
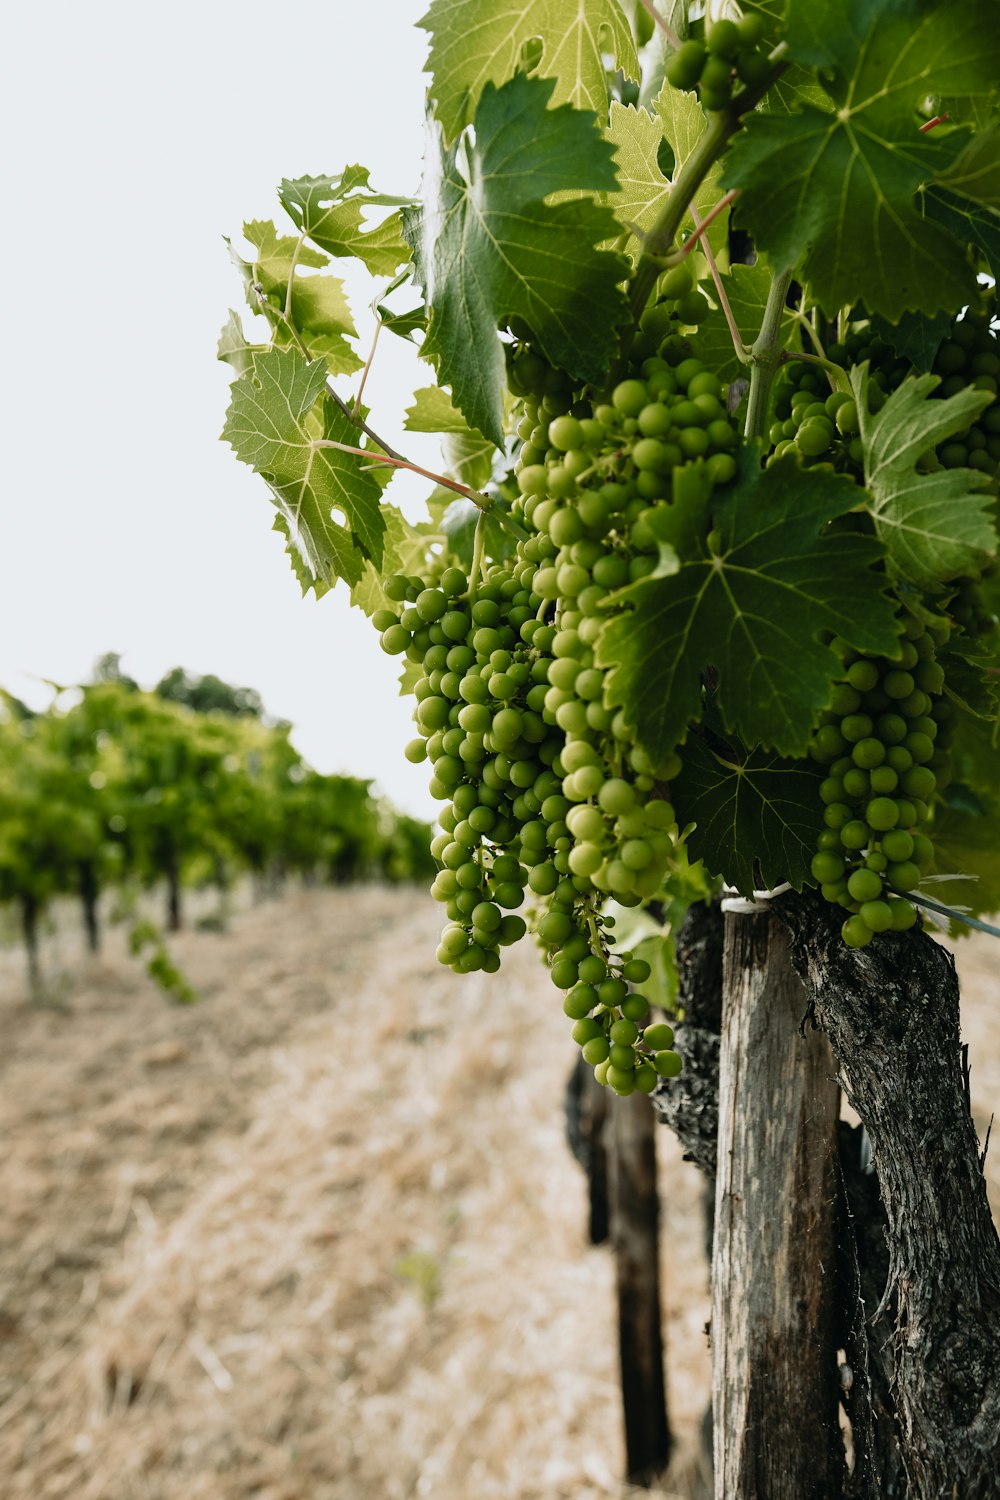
(933, 526)
(329, 211)
(278, 411)
(432, 411)
(488, 248)
(684, 124)
(750, 808)
(754, 610)
(318, 306)
(976, 226)
(478, 42)
(965, 843)
(233, 348)
(642, 189)
(976, 173)
(915, 337)
(639, 136)
(840, 188)
(468, 455)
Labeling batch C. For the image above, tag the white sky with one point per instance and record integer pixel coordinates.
(138, 135)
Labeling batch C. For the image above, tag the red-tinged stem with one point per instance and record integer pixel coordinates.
(484, 502)
(668, 31)
(930, 124)
(739, 345)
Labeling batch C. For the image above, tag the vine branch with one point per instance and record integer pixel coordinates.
(657, 19)
(486, 504)
(765, 356)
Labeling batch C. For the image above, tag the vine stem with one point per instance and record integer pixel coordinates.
(485, 504)
(478, 555)
(356, 409)
(739, 345)
(838, 378)
(657, 19)
(765, 356)
(721, 126)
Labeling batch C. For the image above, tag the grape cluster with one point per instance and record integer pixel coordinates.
(546, 795)
(880, 743)
(822, 427)
(495, 750)
(731, 54)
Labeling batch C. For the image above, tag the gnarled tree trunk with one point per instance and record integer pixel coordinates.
(892, 1014)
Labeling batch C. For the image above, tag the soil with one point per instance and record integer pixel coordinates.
(319, 1237)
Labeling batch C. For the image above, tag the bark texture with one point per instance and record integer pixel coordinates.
(774, 1311)
(690, 1104)
(635, 1216)
(891, 1011)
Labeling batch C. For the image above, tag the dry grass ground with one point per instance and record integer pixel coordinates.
(320, 1238)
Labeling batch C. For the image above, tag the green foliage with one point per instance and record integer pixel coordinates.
(664, 636)
(751, 606)
(489, 249)
(278, 420)
(933, 526)
(121, 789)
(475, 43)
(329, 211)
(757, 815)
(834, 190)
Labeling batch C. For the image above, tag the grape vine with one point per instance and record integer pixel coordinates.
(726, 610)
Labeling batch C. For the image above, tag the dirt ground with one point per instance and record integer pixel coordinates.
(320, 1237)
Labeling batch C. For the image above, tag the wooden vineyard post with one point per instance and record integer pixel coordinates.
(774, 1345)
(635, 1239)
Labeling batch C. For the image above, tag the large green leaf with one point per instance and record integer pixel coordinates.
(317, 305)
(488, 248)
(753, 609)
(279, 409)
(330, 211)
(933, 526)
(914, 337)
(976, 173)
(478, 42)
(751, 809)
(839, 188)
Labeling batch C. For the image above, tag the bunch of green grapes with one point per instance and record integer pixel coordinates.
(822, 426)
(730, 55)
(496, 754)
(969, 357)
(882, 741)
(546, 793)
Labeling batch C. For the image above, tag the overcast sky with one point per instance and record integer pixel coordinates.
(138, 136)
